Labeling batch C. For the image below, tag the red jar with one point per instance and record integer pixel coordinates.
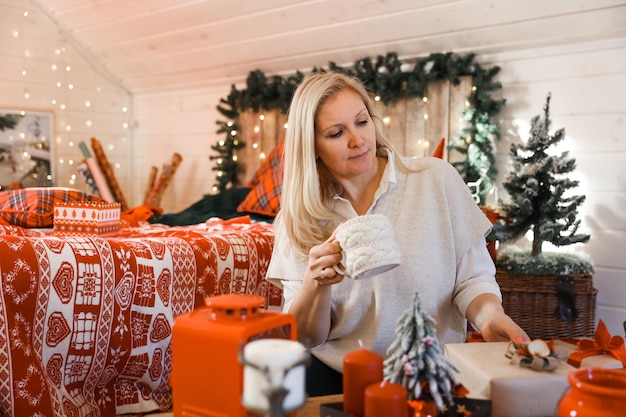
(594, 392)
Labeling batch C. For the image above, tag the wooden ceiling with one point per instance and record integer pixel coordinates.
(156, 45)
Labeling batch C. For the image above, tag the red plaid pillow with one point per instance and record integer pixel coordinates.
(266, 184)
(34, 207)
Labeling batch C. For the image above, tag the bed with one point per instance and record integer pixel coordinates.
(86, 322)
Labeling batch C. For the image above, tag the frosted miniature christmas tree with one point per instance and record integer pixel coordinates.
(416, 361)
(537, 186)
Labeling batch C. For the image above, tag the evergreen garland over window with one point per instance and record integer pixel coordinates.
(390, 79)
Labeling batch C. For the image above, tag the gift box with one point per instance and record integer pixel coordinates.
(86, 219)
(487, 373)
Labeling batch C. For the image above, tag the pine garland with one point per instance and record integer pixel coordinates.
(391, 79)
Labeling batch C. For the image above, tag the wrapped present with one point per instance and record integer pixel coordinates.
(488, 372)
(604, 350)
(86, 219)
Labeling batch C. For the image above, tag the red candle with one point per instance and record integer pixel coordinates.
(360, 369)
(386, 399)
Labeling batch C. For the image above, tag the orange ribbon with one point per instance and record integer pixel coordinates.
(603, 343)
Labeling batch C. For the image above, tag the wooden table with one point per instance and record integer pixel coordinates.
(312, 406)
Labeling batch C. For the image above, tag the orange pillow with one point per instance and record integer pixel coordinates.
(266, 184)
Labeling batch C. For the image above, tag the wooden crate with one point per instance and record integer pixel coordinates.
(543, 305)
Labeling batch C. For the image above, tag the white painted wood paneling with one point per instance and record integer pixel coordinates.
(33, 43)
(159, 45)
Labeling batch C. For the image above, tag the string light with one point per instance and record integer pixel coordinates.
(36, 60)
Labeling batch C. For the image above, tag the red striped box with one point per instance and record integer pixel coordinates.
(87, 219)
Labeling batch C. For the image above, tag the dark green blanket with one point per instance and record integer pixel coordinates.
(222, 205)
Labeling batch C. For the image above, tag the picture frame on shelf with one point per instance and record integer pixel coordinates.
(26, 148)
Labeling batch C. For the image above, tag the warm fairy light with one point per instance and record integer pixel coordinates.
(87, 103)
(59, 84)
(229, 124)
(62, 106)
(88, 123)
(61, 161)
(221, 143)
(286, 125)
(255, 145)
(425, 99)
(124, 109)
(26, 94)
(473, 88)
(26, 13)
(68, 68)
(110, 147)
(16, 34)
(70, 162)
(68, 128)
(24, 73)
(125, 125)
(262, 155)
(235, 158)
(425, 116)
(70, 86)
(235, 142)
(467, 103)
(386, 120)
(219, 161)
(54, 67)
(377, 98)
(233, 133)
(262, 117)
(257, 129)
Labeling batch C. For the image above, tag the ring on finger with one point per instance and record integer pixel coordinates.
(323, 273)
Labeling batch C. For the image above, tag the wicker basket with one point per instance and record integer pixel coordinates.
(534, 302)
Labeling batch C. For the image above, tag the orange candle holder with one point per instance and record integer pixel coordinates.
(207, 376)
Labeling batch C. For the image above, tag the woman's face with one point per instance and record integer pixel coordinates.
(345, 136)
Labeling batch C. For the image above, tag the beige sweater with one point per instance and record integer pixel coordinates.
(441, 232)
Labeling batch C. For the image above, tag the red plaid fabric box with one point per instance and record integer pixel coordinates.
(86, 219)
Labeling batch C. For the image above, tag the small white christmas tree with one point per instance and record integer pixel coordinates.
(416, 361)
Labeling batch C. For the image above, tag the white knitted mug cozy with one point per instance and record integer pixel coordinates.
(368, 246)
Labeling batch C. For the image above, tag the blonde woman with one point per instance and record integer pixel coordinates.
(338, 165)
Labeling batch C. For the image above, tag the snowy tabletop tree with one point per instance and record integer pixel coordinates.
(541, 201)
(415, 359)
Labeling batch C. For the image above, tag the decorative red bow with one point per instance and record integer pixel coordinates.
(602, 343)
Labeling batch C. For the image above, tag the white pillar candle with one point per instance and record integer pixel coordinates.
(279, 356)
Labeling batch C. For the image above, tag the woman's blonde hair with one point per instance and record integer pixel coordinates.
(308, 188)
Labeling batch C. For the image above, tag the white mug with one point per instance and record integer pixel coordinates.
(368, 246)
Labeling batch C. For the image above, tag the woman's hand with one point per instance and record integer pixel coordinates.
(321, 260)
(312, 304)
(487, 314)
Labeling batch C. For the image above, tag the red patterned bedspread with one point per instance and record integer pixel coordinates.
(86, 323)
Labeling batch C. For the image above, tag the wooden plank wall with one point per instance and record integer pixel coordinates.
(413, 126)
